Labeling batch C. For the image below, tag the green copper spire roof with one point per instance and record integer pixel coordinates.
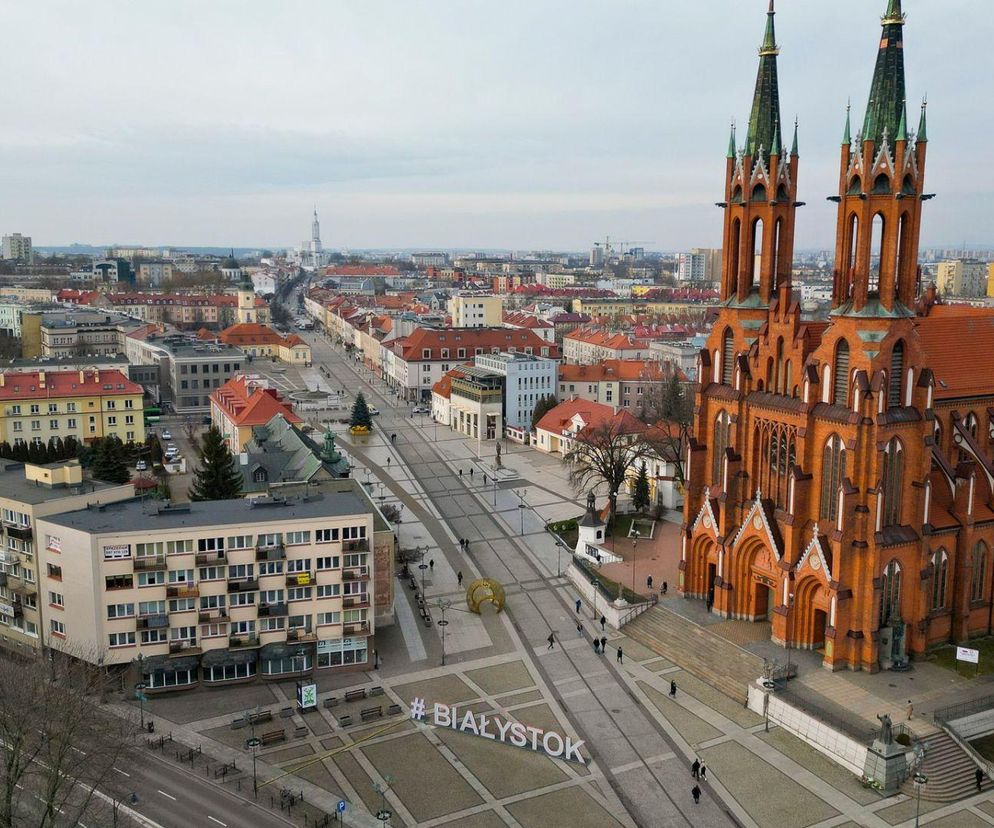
(847, 136)
(764, 120)
(922, 133)
(731, 142)
(902, 128)
(883, 112)
(793, 148)
(775, 149)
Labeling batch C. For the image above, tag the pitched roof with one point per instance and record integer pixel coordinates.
(958, 348)
(593, 415)
(525, 320)
(361, 270)
(612, 370)
(40, 385)
(249, 401)
(251, 333)
(606, 339)
(411, 348)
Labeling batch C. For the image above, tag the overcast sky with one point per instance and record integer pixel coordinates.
(456, 123)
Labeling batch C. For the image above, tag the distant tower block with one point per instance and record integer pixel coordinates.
(316, 241)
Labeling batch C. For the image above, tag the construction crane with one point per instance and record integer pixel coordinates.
(630, 244)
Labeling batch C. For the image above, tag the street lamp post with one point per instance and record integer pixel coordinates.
(790, 604)
(635, 543)
(423, 567)
(443, 604)
(593, 584)
(920, 779)
(521, 510)
(253, 744)
(383, 815)
(140, 687)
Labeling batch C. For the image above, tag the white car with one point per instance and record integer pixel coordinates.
(421, 409)
(141, 465)
(373, 410)
(167, 435)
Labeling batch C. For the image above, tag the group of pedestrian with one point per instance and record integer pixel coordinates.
(699, 771)
(464, 544)
(600, 645)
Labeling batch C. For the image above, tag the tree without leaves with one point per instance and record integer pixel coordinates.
(360, 413)
(217, 478)
(603, 454)
(56, 745)
(672, 403)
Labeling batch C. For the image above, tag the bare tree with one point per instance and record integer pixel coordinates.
(670, 406)
(57, 747)
(603, 454)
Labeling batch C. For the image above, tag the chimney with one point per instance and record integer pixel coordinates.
(3, 380)
(41, 379)
(82, 376)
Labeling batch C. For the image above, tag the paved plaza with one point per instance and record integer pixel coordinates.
(640, 741)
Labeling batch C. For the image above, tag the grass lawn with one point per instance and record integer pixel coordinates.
(946, 657)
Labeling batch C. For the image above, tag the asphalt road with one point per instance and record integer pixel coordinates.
(503, 555)
(176, 798)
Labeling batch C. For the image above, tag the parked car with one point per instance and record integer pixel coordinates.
(421, 409)
(167, 435)
(141, 465)
(373, 410)
(206, 419)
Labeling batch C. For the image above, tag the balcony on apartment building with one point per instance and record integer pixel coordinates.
(357, 545)
(182, 590)
(153, 621)
(206, 615)
(208, 558)
(183, 647)
(270, 552)
(243, 640)
(358, 601)
(273, 610)
(18, 530)
(356, 628)
(299, 578)
(149, 563)
(355, 573)
(301, 635)
(243, 585)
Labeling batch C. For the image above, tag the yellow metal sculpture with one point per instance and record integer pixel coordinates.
(484, 590)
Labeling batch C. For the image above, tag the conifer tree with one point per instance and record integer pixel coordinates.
(109, 462)
(360, 413)
(640, 497)
(217, 478)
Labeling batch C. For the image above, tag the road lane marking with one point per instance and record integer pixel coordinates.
(212, 819)
(170, 796)
(123, 773)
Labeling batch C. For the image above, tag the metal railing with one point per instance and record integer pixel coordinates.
(962, 710)
(851, 726)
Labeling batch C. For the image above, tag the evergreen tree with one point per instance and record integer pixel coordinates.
(108, 463)
(640, 497)
(360, 413)
(217, 478)
(71, 446)
(6, 452)
(545, 404)
(154, 448)
(58, 449)
(21, 452)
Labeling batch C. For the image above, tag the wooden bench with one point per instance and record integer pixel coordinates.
(375, 691)
(345, 721)
(261, 716)
(331, 701)
(355, 695)
(286, 712)
(371, 713)
(272, 737)
(393, 709)
(239, 723)
(300, 731)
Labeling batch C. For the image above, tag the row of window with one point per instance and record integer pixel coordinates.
(71, 423)
(70, 408)
(220, 602)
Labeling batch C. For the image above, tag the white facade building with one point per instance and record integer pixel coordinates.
(526, 380)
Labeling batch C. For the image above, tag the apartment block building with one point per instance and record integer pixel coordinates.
(476, 311)
(36, 406)
(17, 247)
(216, 592)
(962, 277)
(27, 493)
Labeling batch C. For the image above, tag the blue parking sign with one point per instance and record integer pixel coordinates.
(341, 806)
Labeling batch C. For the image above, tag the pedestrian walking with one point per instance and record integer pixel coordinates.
(672, 689)
(604, 621)
(621, 656)
(911, 710)
(459, 577)
(552, 640)
(665, 587)
(460, 472)
(980, 777)
(597, 645)
(577, 606)
(696, 793)
(579, 629)
(695, 769)
(431, 564)
(471, 471)
(603, 646)
(704, 772)
(648, 582)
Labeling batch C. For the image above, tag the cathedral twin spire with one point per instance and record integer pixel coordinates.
(764, 119)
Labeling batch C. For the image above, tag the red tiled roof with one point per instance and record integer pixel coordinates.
(361, 270)
(525, 320)
(958, 348)
(250, 333)
(609, 370)
(249, 402)
(593, 414)
(411, 348)
(88, 383)
(606, 339)
(444, 386)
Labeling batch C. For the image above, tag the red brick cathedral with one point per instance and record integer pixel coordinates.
(840, 485)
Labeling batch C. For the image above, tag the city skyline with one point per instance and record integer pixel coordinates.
(474, 129)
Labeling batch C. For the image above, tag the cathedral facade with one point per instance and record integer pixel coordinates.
(840, 479)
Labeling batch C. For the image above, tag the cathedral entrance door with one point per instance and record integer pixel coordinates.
(709, 586)
(818, 632)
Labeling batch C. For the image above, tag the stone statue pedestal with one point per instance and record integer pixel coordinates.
(887, 765)
(620, 603)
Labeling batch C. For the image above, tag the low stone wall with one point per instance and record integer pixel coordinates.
(614, 615)
(841, 749)
(974, 726)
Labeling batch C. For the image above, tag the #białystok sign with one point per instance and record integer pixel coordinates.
(500, 730)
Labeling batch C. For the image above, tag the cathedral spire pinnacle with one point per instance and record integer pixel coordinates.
(847, 135)
(922, 133)
(887, 92)
(731, 141)
(902, 127)
(793, 148)
(764, 119)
